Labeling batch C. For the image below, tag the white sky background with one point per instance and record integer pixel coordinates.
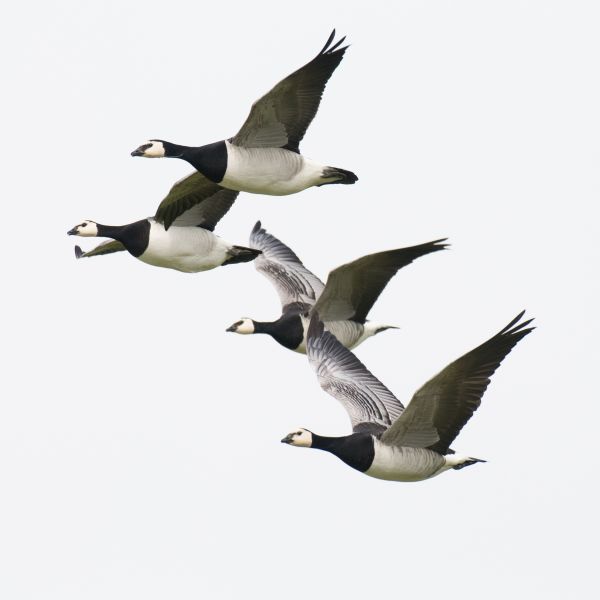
(139, 443)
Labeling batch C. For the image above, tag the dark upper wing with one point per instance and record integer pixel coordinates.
(107, 247)
(371, 406)
(195, 201)
(292, 280)
(352, 289)
(440, 409)
(281, 117)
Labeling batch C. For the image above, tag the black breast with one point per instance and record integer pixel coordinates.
(357, 450)
(135, 237)
(287, 330)
(210, 160)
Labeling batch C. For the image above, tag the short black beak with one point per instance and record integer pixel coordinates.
(231, 328)
(72, 231)
(287, 439)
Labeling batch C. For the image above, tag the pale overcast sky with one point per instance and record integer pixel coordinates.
(139, 443)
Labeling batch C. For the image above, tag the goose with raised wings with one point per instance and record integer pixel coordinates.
(343, 302)
(264, 156)
(392, 442)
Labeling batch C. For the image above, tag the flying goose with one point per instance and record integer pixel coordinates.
(189, 245)
(264, 156)
(343, 303)
(389, 441)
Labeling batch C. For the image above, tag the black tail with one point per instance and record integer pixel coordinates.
(385, 328)
(468, 463)
(341, 175)
(241, 254)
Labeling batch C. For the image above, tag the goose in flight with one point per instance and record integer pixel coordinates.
(389, 441)
(343, 302)
(189, 245)
(264, 156)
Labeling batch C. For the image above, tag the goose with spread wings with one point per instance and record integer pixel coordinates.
(343, 302)
(392, 442)
(264, 156)
(189, 245)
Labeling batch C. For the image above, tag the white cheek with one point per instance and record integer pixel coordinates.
(157, 150)
(88, 231)
(246, 328)
(305, 441)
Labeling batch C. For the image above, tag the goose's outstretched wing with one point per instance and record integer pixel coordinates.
(292, 280)
(107, 247)
(352, 289)
(280, 118)
(195, 201)
(440, 409)
(371, 406)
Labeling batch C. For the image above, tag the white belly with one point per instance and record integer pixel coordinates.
(405, 464)
(272, 171)
(187, 249)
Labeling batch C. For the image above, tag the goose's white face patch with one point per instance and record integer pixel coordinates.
(244, 326)
(299, 437)
(85, 229)
(153, 149)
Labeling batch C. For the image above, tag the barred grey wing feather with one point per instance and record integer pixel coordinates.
(292, 280)
(343, 376)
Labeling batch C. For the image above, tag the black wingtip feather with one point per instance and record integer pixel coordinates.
(78, 252)
(329, 50)
(329, 40)
(257, 227)
(333, 48)
(515, 327)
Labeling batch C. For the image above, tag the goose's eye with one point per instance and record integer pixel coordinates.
(298, 433)
(84, 224)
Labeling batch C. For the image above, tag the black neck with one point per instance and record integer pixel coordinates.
(356, 450)
(210, 160)
(329, 444)
(133, 236)
(115, 232)
(175, 150)
(287, 330)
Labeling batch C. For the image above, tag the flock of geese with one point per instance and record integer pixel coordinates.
(324, 321)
